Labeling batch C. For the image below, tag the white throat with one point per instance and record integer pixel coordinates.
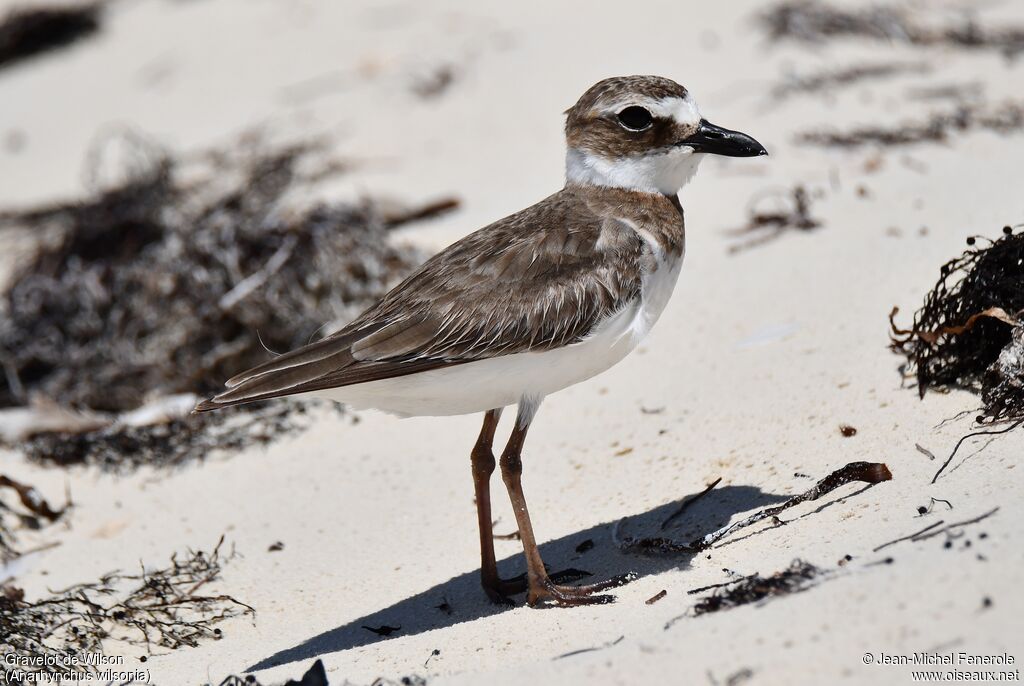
(664, 173)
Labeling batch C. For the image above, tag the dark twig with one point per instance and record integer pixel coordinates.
(656, 597)
(973, 435)
(609, 644)
(694, 591)
(933, 530)
(949, 528)
(910, 537)
(686, 504)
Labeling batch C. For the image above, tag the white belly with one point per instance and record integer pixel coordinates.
(502, 381)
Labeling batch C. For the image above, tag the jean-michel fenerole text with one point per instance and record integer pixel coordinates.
(960, 659)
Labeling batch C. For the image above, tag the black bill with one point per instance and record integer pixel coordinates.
(718, 141)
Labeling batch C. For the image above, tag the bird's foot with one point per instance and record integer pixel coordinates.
(568, 596)
(499, 590)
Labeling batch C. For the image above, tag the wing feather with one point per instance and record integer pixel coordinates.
(539, 279)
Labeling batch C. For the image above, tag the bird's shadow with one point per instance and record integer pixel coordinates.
(461, 599)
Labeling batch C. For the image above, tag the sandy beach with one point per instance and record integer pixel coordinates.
(767, 349)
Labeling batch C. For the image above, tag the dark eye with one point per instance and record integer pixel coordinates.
(635, 118)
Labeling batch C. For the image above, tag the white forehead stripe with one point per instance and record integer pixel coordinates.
(685, 111)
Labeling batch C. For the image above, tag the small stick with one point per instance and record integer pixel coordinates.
(685, 505)
(250, 283)
(609, 644)
(514, 536)
(656, 597)
(972, 435)
(428, 211)
(932, 530)
(910, 537)
(31, 498)
(721, 585)
(957, 525)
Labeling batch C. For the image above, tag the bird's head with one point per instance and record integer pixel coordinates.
(644, 133)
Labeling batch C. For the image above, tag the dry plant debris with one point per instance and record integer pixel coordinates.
(969, 332)
(791, 211)
(316, 675)
(30, 30)
(1005, 118)
(120, 449)
(159, 285)
(38, 512)
(936, 528)
(161, 608)
(593, 649)
(830, 79)
(870, 473)
(799, 576)
(809, 21)
(182, 274)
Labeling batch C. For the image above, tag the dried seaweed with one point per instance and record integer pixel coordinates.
(870, 473)
(792, 211)
(316, 675)
(29, 31)
(933, 530)
(434, 83)
(37, 511)
(121, 449)
(592, 649)
(1005, 118)
(968, 333)
(830, 79)
(161, 285)
(740, 676)
(799, 576)
(179, 276)
(809, 21)
(161, 608)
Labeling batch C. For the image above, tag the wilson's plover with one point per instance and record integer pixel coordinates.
(531, 304)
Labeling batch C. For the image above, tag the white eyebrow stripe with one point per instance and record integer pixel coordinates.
(683, 110)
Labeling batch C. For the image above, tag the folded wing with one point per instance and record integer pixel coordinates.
(539, 279)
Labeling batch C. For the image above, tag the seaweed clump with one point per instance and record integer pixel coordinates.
(755, 588)
(1005, 118)
(815, 22)
(170, 444)
(29, 31)
(969, 332)
(179, 275)
(830, 79)
(160, 285)
(63, 634)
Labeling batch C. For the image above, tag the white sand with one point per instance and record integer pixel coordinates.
(757, 361)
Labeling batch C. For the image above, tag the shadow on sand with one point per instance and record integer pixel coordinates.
(460, 599)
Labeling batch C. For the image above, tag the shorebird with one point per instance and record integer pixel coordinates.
(531, 304)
